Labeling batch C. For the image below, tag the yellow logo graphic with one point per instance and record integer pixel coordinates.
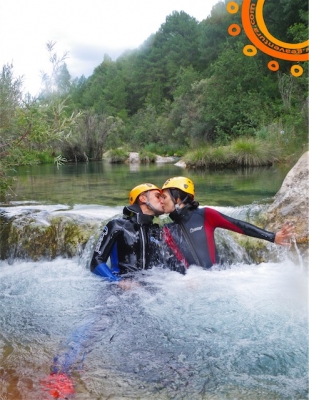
(254, 26)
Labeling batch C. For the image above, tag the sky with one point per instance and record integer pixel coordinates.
(85, 29)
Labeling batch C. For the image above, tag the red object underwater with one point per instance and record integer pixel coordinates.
(58, 385)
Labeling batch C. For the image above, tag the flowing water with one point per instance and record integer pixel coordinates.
(235, 332)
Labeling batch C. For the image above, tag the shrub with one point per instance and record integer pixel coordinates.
(45, 158)
(252, 153)
(209, 157)
(118, 156)
(166, 150)
(146, 157)
(244, 152)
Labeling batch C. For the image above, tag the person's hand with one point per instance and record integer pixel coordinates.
(284, 236)
(127, 284)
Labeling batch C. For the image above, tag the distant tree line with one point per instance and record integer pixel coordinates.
(187, 85)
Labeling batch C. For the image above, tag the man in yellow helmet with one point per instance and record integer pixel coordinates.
(131, 242)
(190, 238)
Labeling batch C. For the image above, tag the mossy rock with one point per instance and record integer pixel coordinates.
(27, 238)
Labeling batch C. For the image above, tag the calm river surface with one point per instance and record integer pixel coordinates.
(106, 184)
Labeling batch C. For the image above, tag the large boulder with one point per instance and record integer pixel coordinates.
(291, 203)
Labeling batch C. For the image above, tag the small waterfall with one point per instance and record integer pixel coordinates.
(39, 232)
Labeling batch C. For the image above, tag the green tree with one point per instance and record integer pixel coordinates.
(175, 45)
(237, 98)
(230, 103)
(28, 125)
(91, 135)
(213, 34)
(281, 15)
(105, 90)
(10, 101)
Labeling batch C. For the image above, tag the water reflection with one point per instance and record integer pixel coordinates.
(109, 184)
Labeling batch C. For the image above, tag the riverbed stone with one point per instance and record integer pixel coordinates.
(291, 203)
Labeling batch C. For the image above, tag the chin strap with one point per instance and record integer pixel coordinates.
(156, 212)
(177, 205)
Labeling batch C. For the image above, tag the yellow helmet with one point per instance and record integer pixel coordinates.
(137, 190)
(180, 182)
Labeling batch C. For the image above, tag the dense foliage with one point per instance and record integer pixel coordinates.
(188, 85)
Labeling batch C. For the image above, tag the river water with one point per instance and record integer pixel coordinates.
(236, 332)
(108, 184)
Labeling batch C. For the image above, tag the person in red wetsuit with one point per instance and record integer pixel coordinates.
(190, 237)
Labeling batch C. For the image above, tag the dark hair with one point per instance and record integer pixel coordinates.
(186, 198)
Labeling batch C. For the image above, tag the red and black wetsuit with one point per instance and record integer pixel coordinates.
(191, 235)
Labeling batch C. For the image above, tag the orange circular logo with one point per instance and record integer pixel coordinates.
(256, 31)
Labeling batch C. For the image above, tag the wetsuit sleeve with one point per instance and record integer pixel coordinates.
(103, 250)
(218, 220)
(104, 271)
(114, 259)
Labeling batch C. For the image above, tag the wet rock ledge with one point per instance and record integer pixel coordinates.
(35, 232)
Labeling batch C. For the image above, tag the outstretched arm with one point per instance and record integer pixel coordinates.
(283, 237)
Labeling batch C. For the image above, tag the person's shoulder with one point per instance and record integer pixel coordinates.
(119, 221)
(207, 209)
(131, 210)
(203, 211)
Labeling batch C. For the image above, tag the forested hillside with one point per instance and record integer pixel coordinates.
(187, 86)
(190, 83)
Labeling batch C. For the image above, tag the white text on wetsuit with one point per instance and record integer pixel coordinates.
(198, 228)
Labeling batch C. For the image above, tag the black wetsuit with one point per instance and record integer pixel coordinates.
(134, 238)
(191, 236)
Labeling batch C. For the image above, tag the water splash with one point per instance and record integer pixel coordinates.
(240, 332)
(300, 259)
